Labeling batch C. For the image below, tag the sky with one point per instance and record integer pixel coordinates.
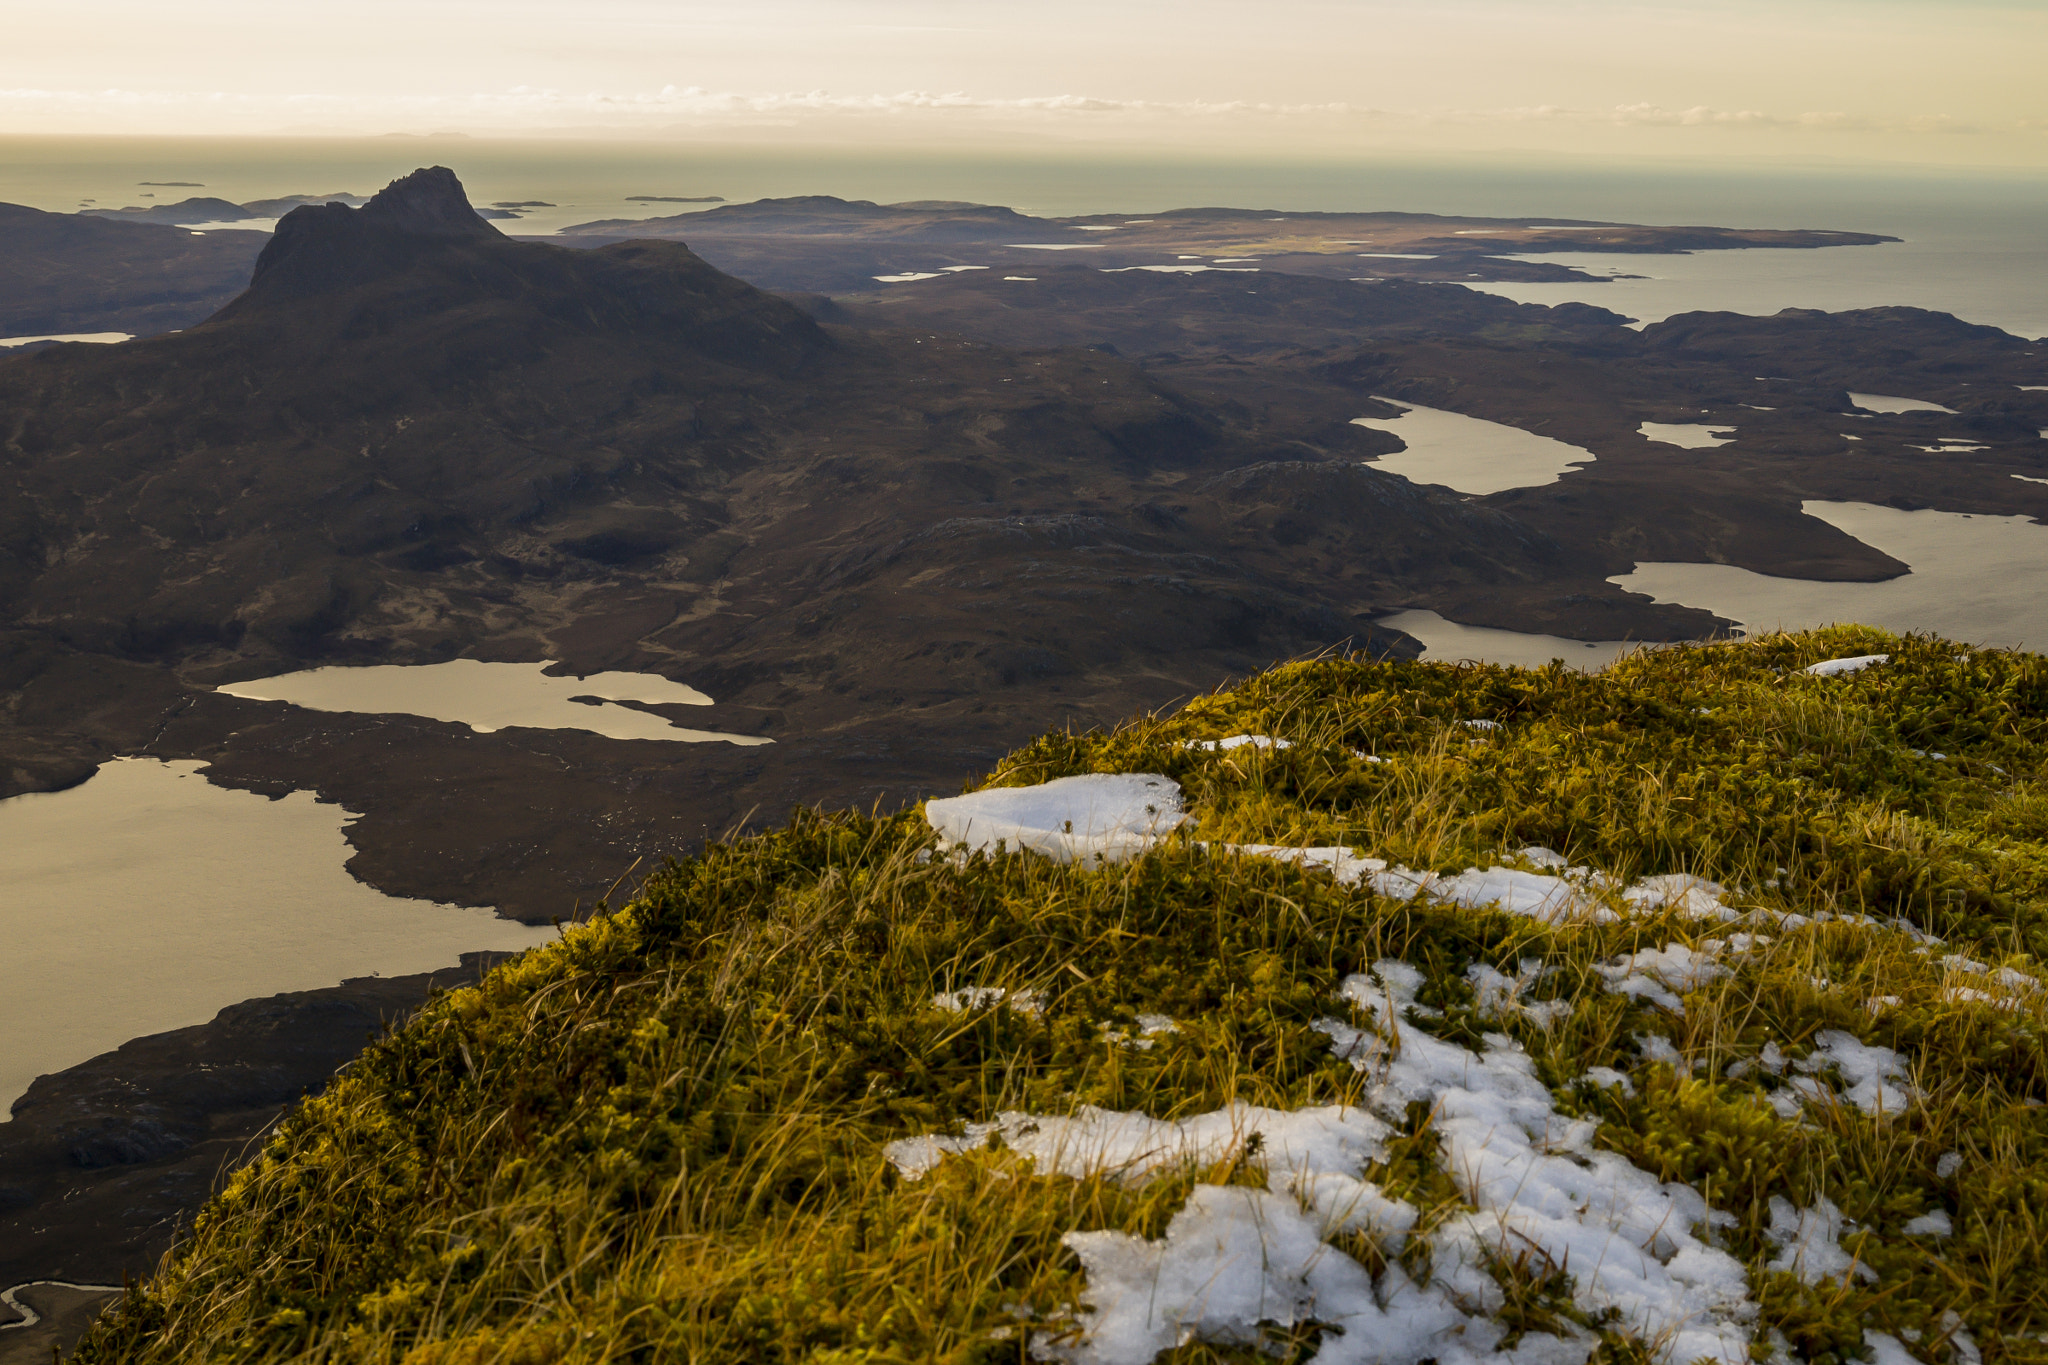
(1930, 82)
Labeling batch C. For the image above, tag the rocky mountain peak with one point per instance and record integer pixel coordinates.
(428, 203)
(322, 247)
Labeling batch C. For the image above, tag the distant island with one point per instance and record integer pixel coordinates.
(675, 199)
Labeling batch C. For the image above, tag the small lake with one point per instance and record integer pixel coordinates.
(1448, 642)
(101, 338)
(1687, 435)
(1974, 578)
(1892, 403)
(1470, 454)
(495, 696)
(146, 899)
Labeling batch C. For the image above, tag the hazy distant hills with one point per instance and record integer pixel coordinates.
(205, 209)
(69, 273)
(830, 245)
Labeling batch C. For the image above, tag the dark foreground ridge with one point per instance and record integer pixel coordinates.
(1747, 1000)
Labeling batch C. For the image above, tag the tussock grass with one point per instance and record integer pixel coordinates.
(660, 1139)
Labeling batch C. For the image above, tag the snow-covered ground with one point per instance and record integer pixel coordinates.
(1235, 1257)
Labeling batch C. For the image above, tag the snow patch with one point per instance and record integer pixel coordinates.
(1810, 1242)
(1496, 993)
(1876, 1076)
(1235, 1257)
(1935, 1224)
(1829, 668)
(1886, 1349)
(1536, 1181)
(1239, 741)
(987, 998)
(1662, 976)
(1110, 816)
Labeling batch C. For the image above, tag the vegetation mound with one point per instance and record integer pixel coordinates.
(841, 1092)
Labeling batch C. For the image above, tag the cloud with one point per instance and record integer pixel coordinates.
(532, 108)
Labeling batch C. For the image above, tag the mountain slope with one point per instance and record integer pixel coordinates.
(64, 274)
(1751, 1062)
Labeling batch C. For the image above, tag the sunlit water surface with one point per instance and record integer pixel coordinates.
(494, 696)
(1974, 578)
(148, 899)
(1470, 454)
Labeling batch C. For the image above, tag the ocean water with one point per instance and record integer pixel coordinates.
(1975, 244)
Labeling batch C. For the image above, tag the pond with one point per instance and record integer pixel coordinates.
(495, 696)
(1470, 454)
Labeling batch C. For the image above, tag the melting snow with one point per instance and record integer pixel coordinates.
(988, 997)
(1535, 1180)
(1071, 819)
(1693, 897)
(1662, 975)
(1239, 741)
(1810, 1242)
(1115, 816)
(1496, 993)
(1886, 1349)
(1829, 668)
(1876, 1076)
(1235, 1257)
(1935, 1224)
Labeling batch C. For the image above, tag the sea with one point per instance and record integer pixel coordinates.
(1974, 241)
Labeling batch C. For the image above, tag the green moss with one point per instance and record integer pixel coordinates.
(660, 1139)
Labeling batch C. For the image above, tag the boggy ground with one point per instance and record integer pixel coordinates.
(670, 1136)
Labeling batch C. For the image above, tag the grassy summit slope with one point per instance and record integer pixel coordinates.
(664, 1137)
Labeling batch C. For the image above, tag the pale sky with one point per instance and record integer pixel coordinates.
(1860, 80)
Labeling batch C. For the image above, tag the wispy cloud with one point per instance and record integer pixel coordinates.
(523, 108)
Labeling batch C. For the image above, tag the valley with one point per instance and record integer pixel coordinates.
(896, 527)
